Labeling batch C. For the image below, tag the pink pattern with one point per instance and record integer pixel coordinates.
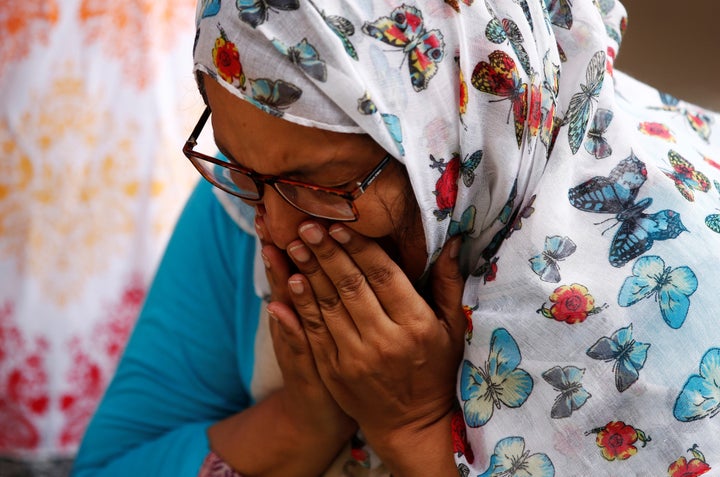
(214, 466)
(24, 378)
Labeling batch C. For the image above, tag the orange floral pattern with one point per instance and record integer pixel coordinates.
(25, 25)
(121, 28)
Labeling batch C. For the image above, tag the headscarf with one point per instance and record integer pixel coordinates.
(517, 132)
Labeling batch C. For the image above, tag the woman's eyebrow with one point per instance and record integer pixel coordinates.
(295, 174)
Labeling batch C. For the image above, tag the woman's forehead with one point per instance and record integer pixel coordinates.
(271, 145)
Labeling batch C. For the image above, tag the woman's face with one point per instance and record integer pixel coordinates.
(270, 145)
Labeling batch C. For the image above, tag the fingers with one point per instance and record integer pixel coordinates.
(277, 265)
(317, 300)
(341, 286)
(447, 286)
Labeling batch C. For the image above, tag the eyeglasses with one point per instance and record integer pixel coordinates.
(318, 201)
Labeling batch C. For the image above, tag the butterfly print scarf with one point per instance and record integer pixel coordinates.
(589, 204)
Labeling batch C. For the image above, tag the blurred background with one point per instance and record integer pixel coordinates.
(674, 46)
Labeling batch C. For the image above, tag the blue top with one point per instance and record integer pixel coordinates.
(189, 361)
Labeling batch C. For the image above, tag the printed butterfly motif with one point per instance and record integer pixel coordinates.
(273, 96)
(510, 459)
(392, 122)
(578, 114)
(526, 11)
(499, 31)
(404, 29)
(545, 264)
(568, 381)
(342, 27)
(685, 177)
(255, 12)
(605, 6)
(596, 144)
(305, 56)
(560, 13)
(713, 220)
(466, 223)
(500, 77)
(550, 87)
(499, 381)
(700, 396)
(671, 288)
(209, 8)
(628, 356)
(616, 194)
(698, 121)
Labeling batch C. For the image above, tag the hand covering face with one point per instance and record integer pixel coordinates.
(588, 201)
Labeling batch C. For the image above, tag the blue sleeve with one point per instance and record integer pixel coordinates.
(183, 367)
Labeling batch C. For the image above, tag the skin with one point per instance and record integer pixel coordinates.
(357, 345)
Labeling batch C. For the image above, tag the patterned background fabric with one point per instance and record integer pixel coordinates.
(96, 100)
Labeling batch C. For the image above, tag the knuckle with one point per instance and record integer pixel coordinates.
(351, 284)
(329, 302)
(327, 253)
(380, 276)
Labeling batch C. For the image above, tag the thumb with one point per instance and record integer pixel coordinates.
(447, 284)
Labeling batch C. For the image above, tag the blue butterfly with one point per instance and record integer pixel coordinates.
(526, 11)
(616, 194)
(466, 223)
(713, 220)
(499, 31)
(568, 381)
(545, 264)
(510, 459)
(500, 381)
(628, 355)
(596, 144)
(255, 12)
(700, 396)
(605, 6)
(404, 29)
(305, 56)
(342, 27)
(671, 288)
(210, 8)
(392, 124)
(560, 13)
(578, 114)
(273, 96)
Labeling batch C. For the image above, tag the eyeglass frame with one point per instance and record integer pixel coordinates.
(264, 179)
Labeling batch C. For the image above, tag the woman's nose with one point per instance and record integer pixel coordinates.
(281, 218)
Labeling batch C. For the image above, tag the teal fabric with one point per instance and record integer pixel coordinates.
(189, 361)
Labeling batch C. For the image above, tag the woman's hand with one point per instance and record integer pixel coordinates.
(388, 358)
(299, 425)
(307, 400)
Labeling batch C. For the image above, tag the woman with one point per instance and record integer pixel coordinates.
(587, 203)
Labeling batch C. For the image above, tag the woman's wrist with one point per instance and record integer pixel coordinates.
(417, 451)
(253, 441)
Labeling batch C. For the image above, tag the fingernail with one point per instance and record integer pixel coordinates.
(271, 314)
(265, 260)
(300, 253)
(296, 286)
(311, 233)
(258, 229)
(340, 234)
(454, 248)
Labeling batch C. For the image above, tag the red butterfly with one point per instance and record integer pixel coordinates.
(501, 78)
